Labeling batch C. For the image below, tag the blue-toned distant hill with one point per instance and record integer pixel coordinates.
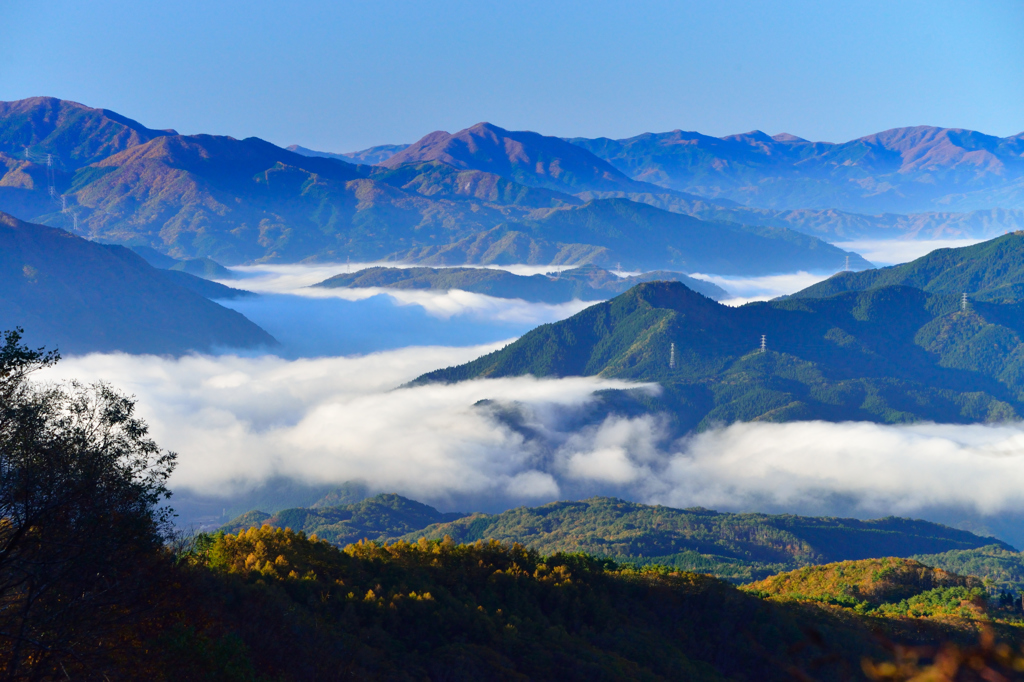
(587, 283)
(904, 170)
(84, 297)
(893, 355)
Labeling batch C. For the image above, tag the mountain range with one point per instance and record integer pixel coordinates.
(248, 200)
(903, 170)
(84, 297)
(894, 353)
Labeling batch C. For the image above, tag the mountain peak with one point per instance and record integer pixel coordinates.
(527, 157)
(74, 133)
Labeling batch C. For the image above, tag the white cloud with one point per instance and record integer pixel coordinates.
(236, 422)
(747, 289)
(884, 252)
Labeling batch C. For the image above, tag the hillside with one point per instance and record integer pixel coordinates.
(992, 271)
(904, 170)
(586, 283)
(84, 297)
(872, 581)
(738, 547)
(889, 355)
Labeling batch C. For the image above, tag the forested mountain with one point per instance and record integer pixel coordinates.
(991, 271)
(82, 297)
(903, 170)
(892, 355)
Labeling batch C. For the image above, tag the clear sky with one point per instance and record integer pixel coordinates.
(341, 76)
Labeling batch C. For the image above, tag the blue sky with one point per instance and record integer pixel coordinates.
(341, 76)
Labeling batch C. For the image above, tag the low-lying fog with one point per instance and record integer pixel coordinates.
(331, 408)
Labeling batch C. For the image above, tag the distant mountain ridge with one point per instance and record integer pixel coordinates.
(587, 283)
(903, 170)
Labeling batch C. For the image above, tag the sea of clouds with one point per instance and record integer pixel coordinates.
(237, 422)
(332, 407)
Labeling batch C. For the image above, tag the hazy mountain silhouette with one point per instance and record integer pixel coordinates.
(371, 156)
(903, 170)
(82, 297)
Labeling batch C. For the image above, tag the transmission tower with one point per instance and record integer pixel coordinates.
(847, 266)
(764, 343)
(672, 356)
(963, 302)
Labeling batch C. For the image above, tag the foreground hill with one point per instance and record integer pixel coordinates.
(588, 283)
(85, 297)
(300, 609)
(890, 355)
(903, 170)
(990, 271)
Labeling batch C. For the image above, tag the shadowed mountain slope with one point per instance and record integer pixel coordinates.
(890, 355)
(902, 170)
(991, 271)
(85, 297)
(587, 283)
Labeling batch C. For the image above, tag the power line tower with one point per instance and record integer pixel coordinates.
(764, 343)
(847, 266)
(963, 302)
(672, 356)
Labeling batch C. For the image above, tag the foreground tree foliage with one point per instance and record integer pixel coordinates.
(81, 533)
